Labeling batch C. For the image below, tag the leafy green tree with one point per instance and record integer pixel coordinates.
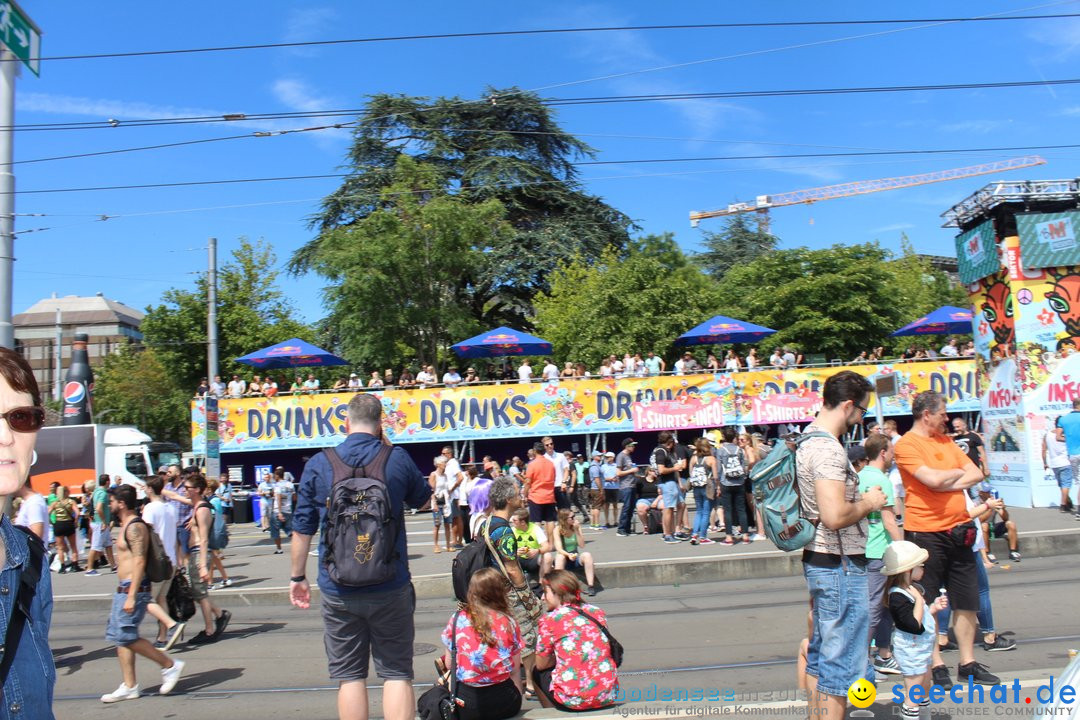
(253, 312)
(742, 239)
(507, 147)
(134, 386)
(413, 276)
(838, 300)
(638, 301)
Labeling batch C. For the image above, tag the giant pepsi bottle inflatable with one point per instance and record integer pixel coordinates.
(79, 385)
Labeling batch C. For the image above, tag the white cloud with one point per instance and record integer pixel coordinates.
(976, 127)
(891, 228)
(308, 24)
(1060, 37)
(298, 95)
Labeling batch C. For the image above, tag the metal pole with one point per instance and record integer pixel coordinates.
(57, 378)
(7, 195)
(211, 315)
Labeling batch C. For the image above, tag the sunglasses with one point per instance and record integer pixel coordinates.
(25, 419)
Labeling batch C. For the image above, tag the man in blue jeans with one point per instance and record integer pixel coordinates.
(626, 474)
(834, 561)
(373, 620)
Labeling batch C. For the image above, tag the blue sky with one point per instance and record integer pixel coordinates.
(158, 236)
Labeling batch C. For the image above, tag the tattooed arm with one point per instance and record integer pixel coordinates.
(138, 542)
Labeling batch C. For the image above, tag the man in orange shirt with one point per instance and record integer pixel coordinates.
(540, 490)
(936, 474)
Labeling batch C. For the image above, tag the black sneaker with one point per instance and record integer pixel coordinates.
(1000, 644)
(978, 673)
(950, 645)
(941, 676)
(1014, 555)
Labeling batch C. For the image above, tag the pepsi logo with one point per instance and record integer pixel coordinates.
(74, 392)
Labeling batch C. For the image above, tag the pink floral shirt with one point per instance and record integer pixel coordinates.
(480, 664)
(584, 675)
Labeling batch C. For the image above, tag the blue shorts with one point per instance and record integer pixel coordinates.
(672, 494)
(437, 517)
(277, 525)
(183, 536)
(644, 503)
(837, 654)
(123, 628)
(1064, 477)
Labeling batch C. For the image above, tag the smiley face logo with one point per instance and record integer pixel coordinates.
(862, 693)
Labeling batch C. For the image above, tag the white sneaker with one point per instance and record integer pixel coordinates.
(169, 677)
(121, 693)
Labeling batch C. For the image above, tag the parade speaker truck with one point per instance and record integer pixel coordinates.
(72, 454)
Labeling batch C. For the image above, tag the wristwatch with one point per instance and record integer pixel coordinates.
(298, 578)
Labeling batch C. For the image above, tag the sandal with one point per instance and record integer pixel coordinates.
(727, 541)
(438, 549)
(528, 694)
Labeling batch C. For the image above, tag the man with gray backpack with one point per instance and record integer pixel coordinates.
(733, 472)
(355, 495)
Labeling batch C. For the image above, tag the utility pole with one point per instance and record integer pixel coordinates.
(20, 40)
(211, 314)
(58, 378)
(7, 195)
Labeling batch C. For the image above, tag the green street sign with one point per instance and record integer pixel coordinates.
(20, 35)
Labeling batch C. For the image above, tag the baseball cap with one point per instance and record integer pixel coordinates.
(856, 453)
(628, 442)
(984, 487)
(597, 453)
(609, 454)
(352, 374)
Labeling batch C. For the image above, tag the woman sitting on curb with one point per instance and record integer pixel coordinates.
(488, 652)
(569, 541)
(574, 668)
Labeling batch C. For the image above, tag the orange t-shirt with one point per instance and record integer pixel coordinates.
(541, 475)
(928, 510)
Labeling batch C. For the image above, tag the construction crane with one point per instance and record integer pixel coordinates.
(860, 187)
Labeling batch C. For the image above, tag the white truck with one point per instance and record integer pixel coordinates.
(72, 454)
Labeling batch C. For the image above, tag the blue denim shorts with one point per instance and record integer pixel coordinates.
(1064, 477)
(123, 628)
(672, 493)
(837, 655)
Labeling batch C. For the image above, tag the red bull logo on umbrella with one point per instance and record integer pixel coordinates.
(721, 328)
(501, 339)
(284, 350)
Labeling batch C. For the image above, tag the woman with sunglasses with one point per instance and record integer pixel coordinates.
(32, 675)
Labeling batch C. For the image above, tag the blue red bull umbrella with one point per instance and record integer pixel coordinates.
(502, 341)
(947, 320)
(720, 329)
(291, 353)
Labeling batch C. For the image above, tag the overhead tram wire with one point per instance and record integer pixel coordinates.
(639, 161)
(589, 100)
(561, 31)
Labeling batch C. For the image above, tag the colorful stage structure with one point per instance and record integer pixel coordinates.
(1019, 257)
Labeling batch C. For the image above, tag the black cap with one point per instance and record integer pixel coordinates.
(856, 453)
(628, 442)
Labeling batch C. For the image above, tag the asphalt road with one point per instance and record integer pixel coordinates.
(738, 635)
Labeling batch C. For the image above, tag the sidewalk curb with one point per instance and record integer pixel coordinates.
(621, 573)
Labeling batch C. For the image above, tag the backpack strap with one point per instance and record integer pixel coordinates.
(376, 469)
(28, 574)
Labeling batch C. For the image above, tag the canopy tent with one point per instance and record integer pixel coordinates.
(947, 320)
(720, 329)
(291, 353)
(502, 341)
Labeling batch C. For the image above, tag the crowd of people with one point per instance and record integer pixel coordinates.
(628, 365)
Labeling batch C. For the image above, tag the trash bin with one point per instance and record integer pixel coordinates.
(256, 508)
(241, 507)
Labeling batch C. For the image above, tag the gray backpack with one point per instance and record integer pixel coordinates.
(361, 527)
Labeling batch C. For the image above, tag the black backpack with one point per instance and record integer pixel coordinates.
(179, 599)
(473, 557)
(361, 527)
(159, 567)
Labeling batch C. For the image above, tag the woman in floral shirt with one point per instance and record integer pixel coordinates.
(574, 669)
(488, 651)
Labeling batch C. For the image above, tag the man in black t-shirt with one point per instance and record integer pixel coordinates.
(666, 463)
(970, 443)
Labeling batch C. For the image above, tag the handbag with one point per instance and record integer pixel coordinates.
(179, 599)
(615, 645)
(440, 703)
